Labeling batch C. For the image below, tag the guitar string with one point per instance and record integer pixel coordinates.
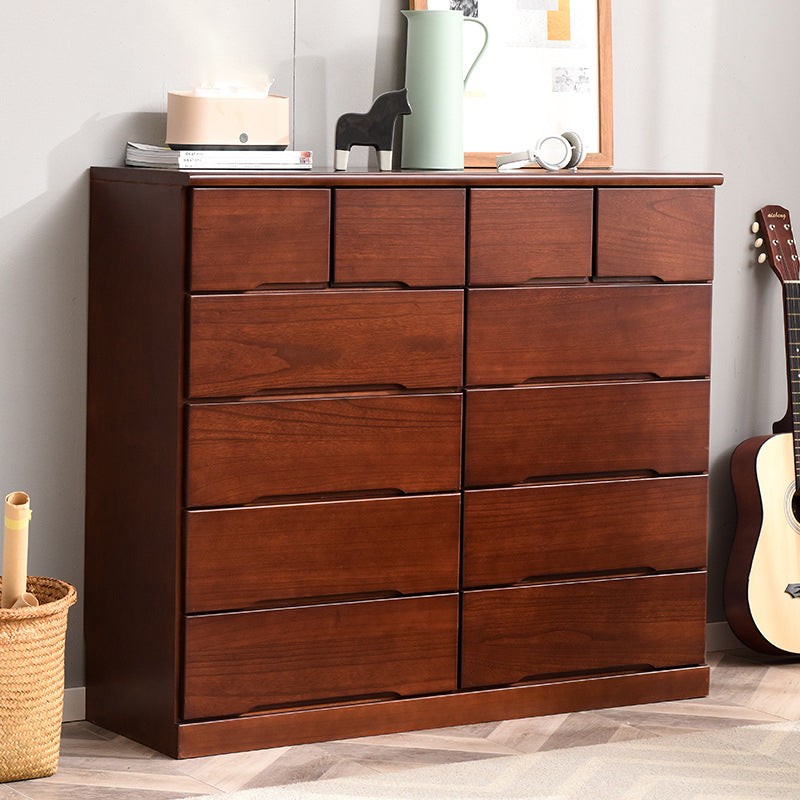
(789, 274)
(793, 342)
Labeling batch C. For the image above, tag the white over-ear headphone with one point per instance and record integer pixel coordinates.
(551, 153)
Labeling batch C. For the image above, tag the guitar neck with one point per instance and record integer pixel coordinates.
(791, 306)
(776, 244)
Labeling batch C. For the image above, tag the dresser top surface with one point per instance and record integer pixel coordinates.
(476, 178)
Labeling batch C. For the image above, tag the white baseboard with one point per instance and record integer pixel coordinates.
(719, 636)
(74, 704)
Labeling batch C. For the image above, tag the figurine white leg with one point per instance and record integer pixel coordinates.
(340, 160)
(385, 160)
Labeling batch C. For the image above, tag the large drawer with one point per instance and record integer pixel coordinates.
(400, 444)
(246, 238)
(524, 633)
(518, 435)
(253, 661)
(248, 557)
(518, 235)
(515, 335)
(414, 237)
(661, 233)
(531, 532)
(246, 344)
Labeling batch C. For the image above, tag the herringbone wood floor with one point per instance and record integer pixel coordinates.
(746, 689)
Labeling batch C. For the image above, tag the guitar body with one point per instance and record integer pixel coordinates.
(765, 558)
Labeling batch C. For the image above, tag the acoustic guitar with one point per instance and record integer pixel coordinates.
(762, 583)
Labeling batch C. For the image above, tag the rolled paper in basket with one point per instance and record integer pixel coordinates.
(15, 552)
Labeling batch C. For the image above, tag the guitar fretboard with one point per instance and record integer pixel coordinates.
(791, 298)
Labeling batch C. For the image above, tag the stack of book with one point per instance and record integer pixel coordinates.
(150, 155)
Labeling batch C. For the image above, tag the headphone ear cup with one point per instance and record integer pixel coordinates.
(578, 153)
(553, 153)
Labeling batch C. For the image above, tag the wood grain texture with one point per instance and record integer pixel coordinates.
(525, 234)
(605, 156)
(248, 344)
(518, 634)
(132, 544)
(367, 719)
(248, 557)
(662, 233)
(406, 236)
(524, 533)
(246, 238)
(520, 334)
(517, 435)
(366, 178)
(245, 662)
(240, 452)
(304, 484)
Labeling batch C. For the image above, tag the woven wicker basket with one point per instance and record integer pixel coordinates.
(32, 681)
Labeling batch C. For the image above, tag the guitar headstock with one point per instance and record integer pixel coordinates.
(773, 230)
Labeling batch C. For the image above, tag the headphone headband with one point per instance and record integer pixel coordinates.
(569, 142)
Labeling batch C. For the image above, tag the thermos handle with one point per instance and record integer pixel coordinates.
(480, 52)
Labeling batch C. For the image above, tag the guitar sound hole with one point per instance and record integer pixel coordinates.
(791, 507)
(796, 507)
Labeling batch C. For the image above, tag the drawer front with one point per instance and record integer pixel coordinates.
(246, 344)
(520, 235)
(661, 233)
(530, 532)
(241, 452)
(519, 435)
(516, 335)
(257, 660)
(249, 557)
(521, 634)
(414, 237)
(246, 238)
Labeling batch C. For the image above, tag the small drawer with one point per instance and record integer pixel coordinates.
(414, 237)
(249, 557)
(520, 235)
(246, 238)
(517, 335)
(251, 343)
(259, 660)
(523, 533)
(526, 633)
(393, 444)
(520, 435)
(660, 233)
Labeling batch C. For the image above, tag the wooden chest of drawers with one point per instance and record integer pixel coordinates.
(382, 451)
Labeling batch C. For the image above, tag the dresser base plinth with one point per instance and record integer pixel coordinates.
(393, 716)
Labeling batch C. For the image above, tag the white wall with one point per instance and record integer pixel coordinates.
(698, 87)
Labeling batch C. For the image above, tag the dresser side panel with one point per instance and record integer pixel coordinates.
(133, 469)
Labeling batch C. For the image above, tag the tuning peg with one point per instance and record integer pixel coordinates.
(758, 242)
(755, 227)
(762, 257)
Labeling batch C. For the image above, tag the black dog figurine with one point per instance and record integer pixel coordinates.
(375, 128)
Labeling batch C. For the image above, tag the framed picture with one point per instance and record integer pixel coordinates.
(547, 69)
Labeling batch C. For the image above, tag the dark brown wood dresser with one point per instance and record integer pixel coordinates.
(371, 452)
